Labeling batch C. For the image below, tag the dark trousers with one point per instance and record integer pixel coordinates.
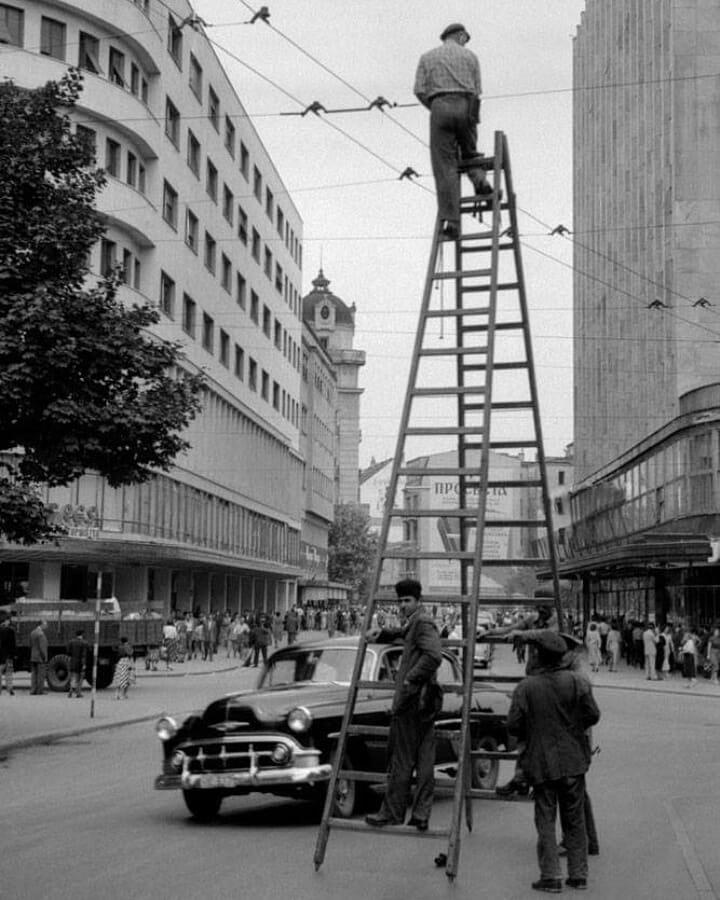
(453, 135)
(257, 650)
(37, 677)
(411, 745)
(567, 795)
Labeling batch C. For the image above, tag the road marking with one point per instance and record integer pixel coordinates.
(694, 866)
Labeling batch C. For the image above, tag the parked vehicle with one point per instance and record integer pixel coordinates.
(280, 737)
(65, 618)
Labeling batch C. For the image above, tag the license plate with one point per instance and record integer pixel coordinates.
(217, 781)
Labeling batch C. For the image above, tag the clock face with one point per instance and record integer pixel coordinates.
(325, 312)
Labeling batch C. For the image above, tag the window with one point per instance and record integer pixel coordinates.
(191, 230)
(229, 136)
(224, 349)
(175, 39)
(144, 90)
(211, 181)
(244, 161)
(170, 204)
(12, 25)
(141, 178)
(242, 225)
(89, 137)
(108, 256)
(172, 122)
(252, 374)
(255, 245)
(136, 274)
(208, 333)
(280, 221)
(267, 319)
(257, 183)
(254, 307)
(225, 273)
(193, 153)
(278, 278)
(116, 67)
(52, 38)
(269, 204)
(268, 263)
(278, 335)
(210, 252)
(276, 396)
(228, 204)
(134, 79)
(167, 295)
(131, 169)
(89, 53)
(561, 476)
(265, 386)
(241, 291)
(214, 109)
(239, 362)
(189, 315)
(127, 267)
(112, 157)
(196, 74)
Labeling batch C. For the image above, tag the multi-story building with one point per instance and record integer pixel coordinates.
(199, 219)
(647, 260)
(334, 323)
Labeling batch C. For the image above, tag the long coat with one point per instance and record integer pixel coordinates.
(38, 645)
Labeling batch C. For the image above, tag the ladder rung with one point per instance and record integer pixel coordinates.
(513, 404)
(445, 391)
(445, 429)
(447, 789)
(468, 273)
(504, 366)
(452, 351)
(484, 248)
(469, 311)
(494, 754)
(370, 777)
(499, 326)
(370, 730)
(479, 288)
(393, 830)
(486, 163)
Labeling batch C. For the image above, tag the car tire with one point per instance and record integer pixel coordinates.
(203, 805)
(350, 795)
(484, 772)
(58, 672)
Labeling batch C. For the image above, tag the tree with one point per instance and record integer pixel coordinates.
(352, 548)
(83, 384)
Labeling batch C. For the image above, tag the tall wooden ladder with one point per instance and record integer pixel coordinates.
(473, 506)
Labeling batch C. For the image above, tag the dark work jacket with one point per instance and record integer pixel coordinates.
(8, 644)
(421, 656)
(77, 651)
(550, 712)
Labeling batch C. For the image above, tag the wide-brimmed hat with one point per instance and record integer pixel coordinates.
(452, 29)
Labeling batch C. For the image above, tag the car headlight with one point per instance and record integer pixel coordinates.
(166, 728)
(299, 719)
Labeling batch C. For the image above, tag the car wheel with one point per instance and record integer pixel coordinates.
(203, 805)
(58, 672)
(349, 795)
(484, 772)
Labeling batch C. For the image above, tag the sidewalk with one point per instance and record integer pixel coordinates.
(27, 720)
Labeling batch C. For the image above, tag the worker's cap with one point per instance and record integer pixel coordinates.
(550, 642)
(453, 29)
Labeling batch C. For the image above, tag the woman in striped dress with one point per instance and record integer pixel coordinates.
(123, 675)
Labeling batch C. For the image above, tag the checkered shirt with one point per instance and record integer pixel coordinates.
(449, 67)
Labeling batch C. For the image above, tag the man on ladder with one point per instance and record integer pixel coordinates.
(411, 743)
(448, 83)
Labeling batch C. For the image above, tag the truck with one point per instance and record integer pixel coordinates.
(65, 618)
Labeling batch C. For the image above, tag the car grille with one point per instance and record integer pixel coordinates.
(232, 755)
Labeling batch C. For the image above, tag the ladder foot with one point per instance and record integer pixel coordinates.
(441, 860)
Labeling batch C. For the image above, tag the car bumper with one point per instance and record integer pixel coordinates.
(261, 780)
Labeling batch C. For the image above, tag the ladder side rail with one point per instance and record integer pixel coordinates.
(522, 297)
(461, 795)
(324, 830)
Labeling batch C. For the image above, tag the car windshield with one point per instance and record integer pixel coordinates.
(322, 665)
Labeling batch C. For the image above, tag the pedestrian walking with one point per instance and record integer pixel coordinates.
(123, 675)
(650, 642)
(262, 636)
(448, 83)
(77, 665)
(689, 662)
(714, 654)
(592, 642)
(8, 649)
(416, 702)
(613, 647)
(38, 658)
(277, 629)
(550, 713)
(170, 643)
(292, 623)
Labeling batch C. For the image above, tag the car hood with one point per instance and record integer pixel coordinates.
(265, 707)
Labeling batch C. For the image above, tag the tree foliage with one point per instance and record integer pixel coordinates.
(83, 384)
(352, 548)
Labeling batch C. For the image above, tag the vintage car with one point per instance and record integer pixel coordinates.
(279, 738)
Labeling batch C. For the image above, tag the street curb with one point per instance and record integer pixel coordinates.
(685, 692)
(53, 736)
(174, 674)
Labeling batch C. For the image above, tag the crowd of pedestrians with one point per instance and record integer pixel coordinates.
(661, 651)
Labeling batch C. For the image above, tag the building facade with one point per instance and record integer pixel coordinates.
(199, 220)
(647, 261)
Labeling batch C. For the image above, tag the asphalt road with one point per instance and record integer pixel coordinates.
(81, 820)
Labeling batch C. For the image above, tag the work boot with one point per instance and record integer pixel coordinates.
(516, 785)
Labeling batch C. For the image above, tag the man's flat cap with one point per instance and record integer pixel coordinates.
(550, 642)
(452, 29)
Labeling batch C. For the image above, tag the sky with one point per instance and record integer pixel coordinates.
(372, 232)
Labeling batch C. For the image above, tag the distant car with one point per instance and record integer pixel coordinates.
(280, 738)
(484, 653)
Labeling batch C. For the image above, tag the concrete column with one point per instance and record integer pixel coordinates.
(201, 582)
